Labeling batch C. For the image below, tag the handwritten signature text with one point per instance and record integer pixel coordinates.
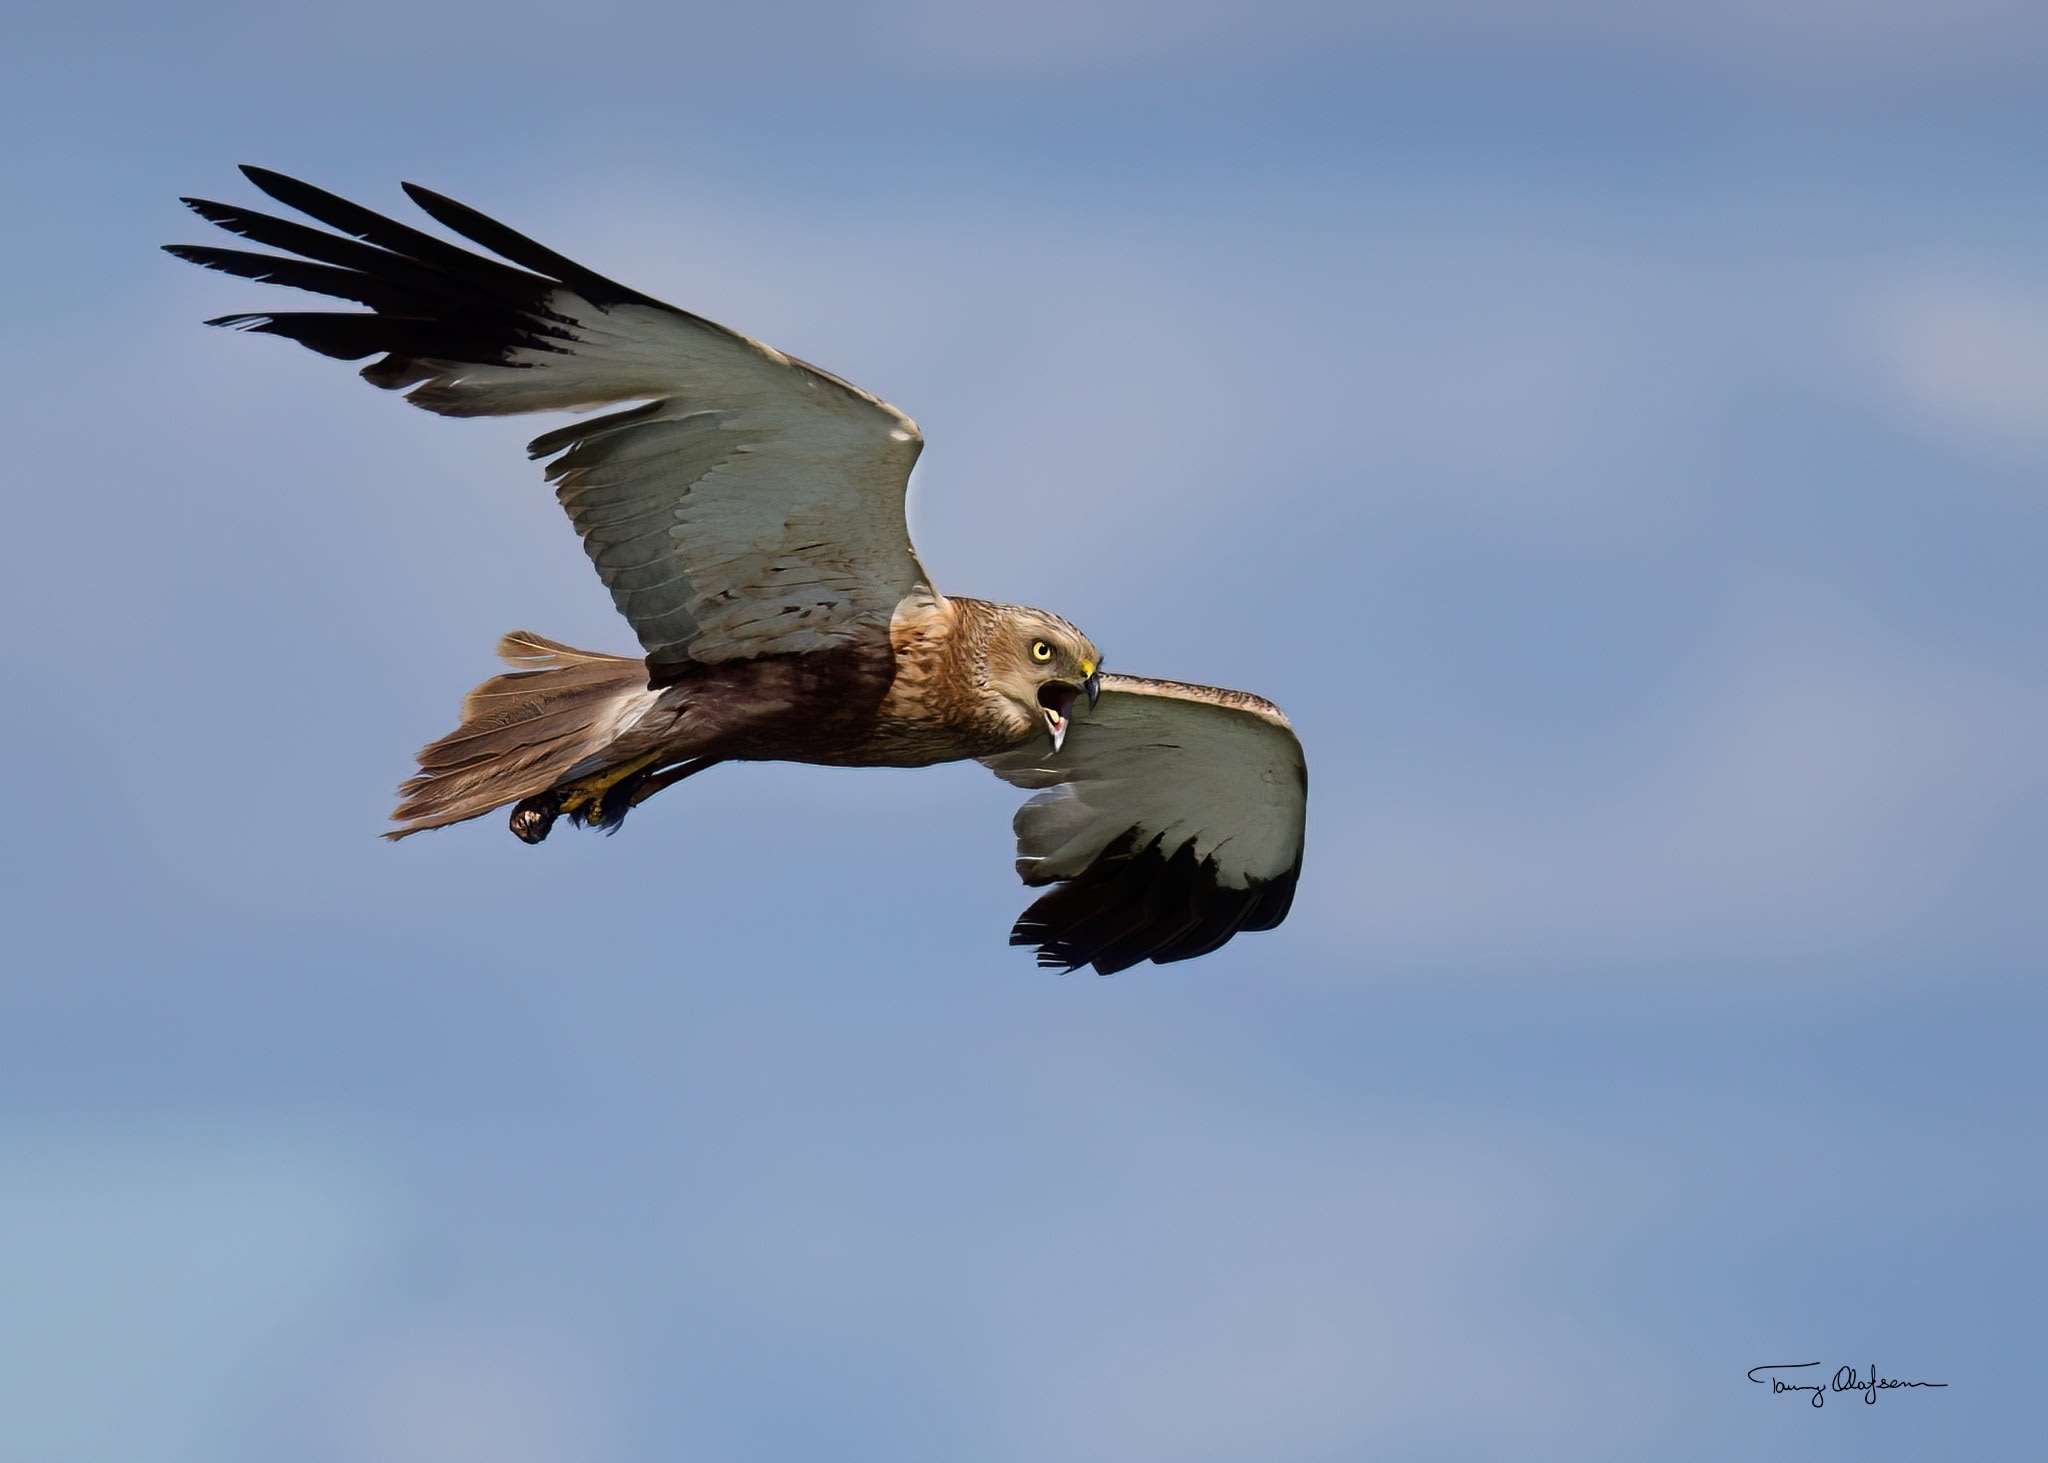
(1845, 1379)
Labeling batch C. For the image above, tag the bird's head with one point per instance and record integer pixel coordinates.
(1042, 665)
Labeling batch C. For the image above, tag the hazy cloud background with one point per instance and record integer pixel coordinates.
(1617, 435)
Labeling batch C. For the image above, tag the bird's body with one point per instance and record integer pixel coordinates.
(748, 520)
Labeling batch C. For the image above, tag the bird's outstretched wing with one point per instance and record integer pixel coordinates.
(749, 505)
(1171, 820)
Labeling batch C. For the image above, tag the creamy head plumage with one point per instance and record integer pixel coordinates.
(1041, 665)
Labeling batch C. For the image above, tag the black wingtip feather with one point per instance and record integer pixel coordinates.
(432, 301)
(393, 295)
(286, 189)
(1134, 903)
(509, 243)
(372, 227)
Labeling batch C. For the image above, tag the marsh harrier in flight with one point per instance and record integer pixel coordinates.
(746, 510)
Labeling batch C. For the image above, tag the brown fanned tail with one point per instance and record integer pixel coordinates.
(522, 732)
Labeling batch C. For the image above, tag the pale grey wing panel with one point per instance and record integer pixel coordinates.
(1171, 820)
(754, 505)
(724, 535)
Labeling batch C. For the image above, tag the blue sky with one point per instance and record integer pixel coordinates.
(1618, 439)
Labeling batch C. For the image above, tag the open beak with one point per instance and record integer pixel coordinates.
(1093, 686)
(1056, 699)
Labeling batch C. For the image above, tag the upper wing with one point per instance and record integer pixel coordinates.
(1171, 820)
(753, 505)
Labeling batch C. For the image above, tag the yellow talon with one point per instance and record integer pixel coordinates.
(584, 797)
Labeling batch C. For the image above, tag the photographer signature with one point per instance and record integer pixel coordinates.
(1846, 1379)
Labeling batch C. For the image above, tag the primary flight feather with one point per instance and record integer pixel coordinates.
(745, 509)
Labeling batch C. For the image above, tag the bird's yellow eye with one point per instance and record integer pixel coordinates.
(1040, 651)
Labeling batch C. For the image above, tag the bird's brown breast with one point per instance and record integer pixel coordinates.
(907, 696)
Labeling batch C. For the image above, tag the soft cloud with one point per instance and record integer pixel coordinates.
(1969, 361)
(1316, 1295)
(485, 1391)
(1821, 786)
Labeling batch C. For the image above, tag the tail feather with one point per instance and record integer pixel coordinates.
(548, 723)
(522, 732)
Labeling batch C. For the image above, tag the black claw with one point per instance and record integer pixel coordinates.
(532, 819)
(618, 800)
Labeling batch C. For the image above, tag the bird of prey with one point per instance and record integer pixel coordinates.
(746, 511)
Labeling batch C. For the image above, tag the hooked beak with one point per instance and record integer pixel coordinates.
(1093, 686)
